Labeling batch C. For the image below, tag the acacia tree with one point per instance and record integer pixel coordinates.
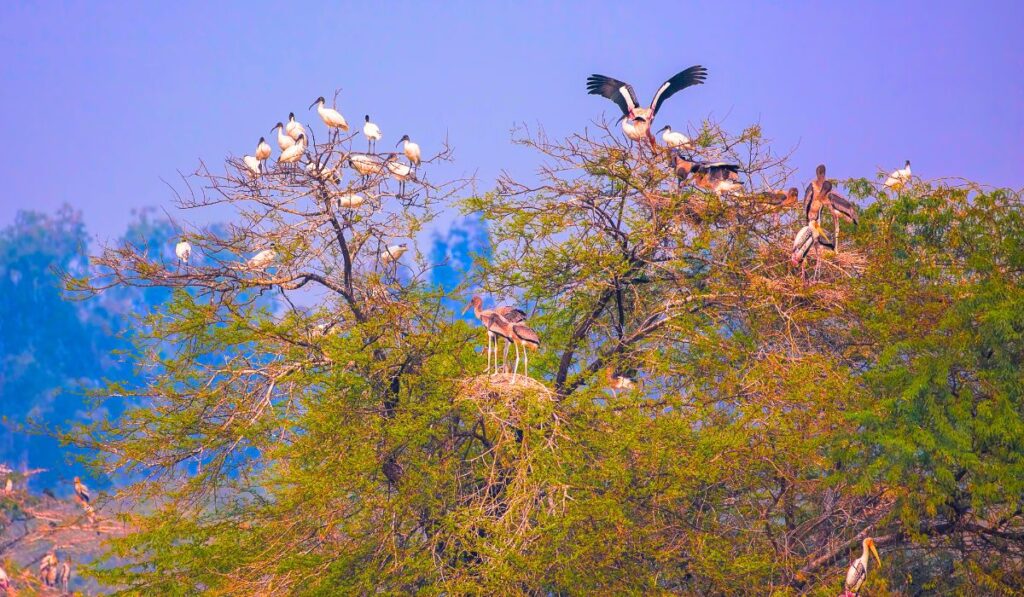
(353, 447)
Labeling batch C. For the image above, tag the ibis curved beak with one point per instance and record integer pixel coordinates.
(313, 104)
(874, 552)
(663, 129)
(399, 141)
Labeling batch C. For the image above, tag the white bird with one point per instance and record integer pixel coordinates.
(392, 253)
(81, 491)
(411, 150)
(365, 164)
(283, 140)
(5, 581)
(321, 171)
(674, 139)
(372, 132)
(183, 250)
(262, 149)
(262, 259)
(293, 153)
(253, 164)
(350, 201)
(857, 573)
(401, 172)
(898, 178)
(294, 128)
(331, 117)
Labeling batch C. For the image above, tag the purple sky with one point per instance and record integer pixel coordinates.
(101, 102)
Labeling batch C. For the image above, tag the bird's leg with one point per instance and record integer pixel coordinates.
(504, 359)
(835, 218)
(817, 259)
(526, 361)
(515, 368)
(489, 336)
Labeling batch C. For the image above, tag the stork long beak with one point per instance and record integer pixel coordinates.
(874, 552)
(466, 308)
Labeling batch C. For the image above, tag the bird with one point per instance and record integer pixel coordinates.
(183, 250)
(898, 178)
(365, 164)
(857, 573)
(48, 568)
(331, 117)
(781, 200)
(294, 128)
(262, 149)
(674, 139)
(350, 201)
(496, 326)
(293, 153)
(321, 171)
(262, 259)
(392, 253)
(81, 491)
(411, 150)
(5, 581)
(401, 172)
(717, 177)
(619, 381)
(9, 486)
(253, 165)
(283, 140)
(511, 315)
(64, 576)
(636, 120)
(819, 194)
(523, 336)
(372, 132)
(808, 236)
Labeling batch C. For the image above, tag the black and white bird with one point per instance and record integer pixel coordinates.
(294, 128)
(717, 177)
(898, 178)
(320, 170)
(331, 117)
(81, 491)
(372, 132)
(674, 139)
(262, 259)
(183, 250)
(262, 150)
(808, 236)
(857, 573)
(411, 150)
(821, 193)
(253, 165)
(365, 164)
(401, 172)
(350, 201)
(637, 120)
(392, 253)
(283, 141)
(293, 153)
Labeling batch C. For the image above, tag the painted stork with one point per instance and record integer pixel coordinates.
(331, 117)
(183, 250)
(496, 326)
(410, 149)
(293, 153)
(674, 139)
(809, 236)
(716, 177)
(262, 150)
(253, 165)
(782, 200)
(48, 568)
(523, 336)
(401, 172)
(63, 576)
(636, 120)
(898, 178)
(820, 193)
(857, 573)
(283, 140)
(81, 491)
(350, 201)
(372, 132)
(294, 128)
(262, 259)
(512, 315)
(365, 164)
(392, 253)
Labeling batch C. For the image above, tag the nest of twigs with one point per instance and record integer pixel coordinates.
(499, 396)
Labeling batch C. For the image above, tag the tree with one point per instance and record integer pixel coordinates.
(353, 447)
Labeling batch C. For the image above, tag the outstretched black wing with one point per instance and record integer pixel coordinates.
(694, 75)
(842, 206)
(613, 89)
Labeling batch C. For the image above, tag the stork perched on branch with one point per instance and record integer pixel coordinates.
(809, 236)
(716, 177)
(637, 120)
(820, 193)
(496, 326)
(81, 491)
(857, 573)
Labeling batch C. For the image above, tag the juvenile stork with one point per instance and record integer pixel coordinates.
(372, 132)
(523, 336)
(637, 120)
(898, 178)
(48, 568)
(809, 236)
(283, 140)
(411, 150)
(331, 117)
(496, 326)
(674, 139)
(511, 315)
(63, 576)
(81, 491)
(294, 128)
(820, 193)
(857, 573)
(183, 250)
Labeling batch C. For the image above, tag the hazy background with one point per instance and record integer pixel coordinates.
(101, 101)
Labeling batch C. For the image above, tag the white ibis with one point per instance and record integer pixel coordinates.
(523, 336)
(350, 201)
(674, 139)
(410, 149)
(636, 120)
(294, 128)
(183, 250)
(857, 573)
(262, 150)
(253, 165)
(898, 178)
(283, 140)
(401, 172)
(372, 132)
(81, 491)
(392, 253)
(331, 117)
(365, 164)
(262, 259)
(496, 326)
(293, 153)
(321, 171)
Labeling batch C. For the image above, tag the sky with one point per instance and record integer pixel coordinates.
(105, 101)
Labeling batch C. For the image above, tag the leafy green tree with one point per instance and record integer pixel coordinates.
(779, 416)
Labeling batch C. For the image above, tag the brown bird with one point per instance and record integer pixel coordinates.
(511, 315)
(821, 193)
(496, 326)
(619, 381)
(523, 335)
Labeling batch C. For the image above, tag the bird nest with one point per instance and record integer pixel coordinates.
(500, 398)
